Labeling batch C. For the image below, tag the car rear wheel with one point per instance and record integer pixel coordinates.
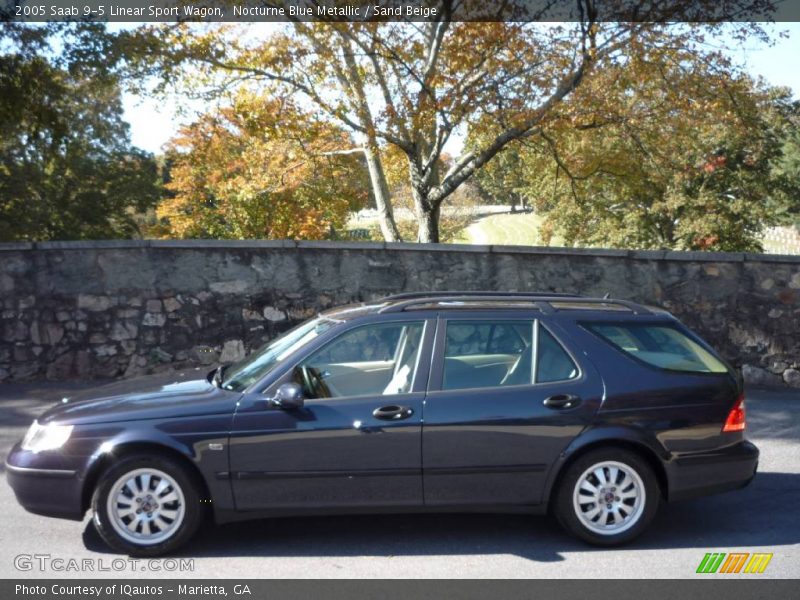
(146, 505)
(607, 497)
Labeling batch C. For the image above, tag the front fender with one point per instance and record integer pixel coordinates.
(201, 449)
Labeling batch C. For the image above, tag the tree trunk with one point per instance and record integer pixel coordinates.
(427, 216)
(380, 190)
(427, 212)
(428, 226)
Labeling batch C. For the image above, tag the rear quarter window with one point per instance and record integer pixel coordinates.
(662, 346)
(553, 363)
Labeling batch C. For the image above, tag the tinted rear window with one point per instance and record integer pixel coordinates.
(662, 346)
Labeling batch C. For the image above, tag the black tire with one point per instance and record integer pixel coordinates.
(178, 534)
(641, 514)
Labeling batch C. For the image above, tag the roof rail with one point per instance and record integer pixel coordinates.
(470, 293)
(541, 302)
(404, 304)
(635, 308)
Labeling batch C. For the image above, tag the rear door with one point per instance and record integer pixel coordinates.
(506, 398)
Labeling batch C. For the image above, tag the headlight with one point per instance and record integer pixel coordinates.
(46, 437)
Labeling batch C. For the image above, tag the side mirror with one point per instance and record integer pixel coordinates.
(288, 396)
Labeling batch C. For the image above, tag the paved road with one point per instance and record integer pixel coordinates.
(761, 518)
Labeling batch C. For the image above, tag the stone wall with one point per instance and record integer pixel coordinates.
(109, 309)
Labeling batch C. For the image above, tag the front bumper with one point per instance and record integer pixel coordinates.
(45, 484)
(706, 473)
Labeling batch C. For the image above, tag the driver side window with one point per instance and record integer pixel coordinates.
(372, 360)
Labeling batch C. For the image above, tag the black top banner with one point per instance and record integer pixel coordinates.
(170, 11)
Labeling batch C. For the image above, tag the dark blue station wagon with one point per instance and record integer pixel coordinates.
(594, 409)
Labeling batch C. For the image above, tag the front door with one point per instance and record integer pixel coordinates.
(506, 399)
(356, 442)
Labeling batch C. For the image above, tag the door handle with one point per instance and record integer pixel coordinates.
(393, 412)
(562, 401)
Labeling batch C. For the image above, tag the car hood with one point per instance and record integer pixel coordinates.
(175, 394)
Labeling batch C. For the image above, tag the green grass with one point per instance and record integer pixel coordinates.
(521, 229)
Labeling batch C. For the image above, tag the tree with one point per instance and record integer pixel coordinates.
(411, 86)
(707, 178)
(67, 169)
(260, 168)
(787, 168)
(502, 180)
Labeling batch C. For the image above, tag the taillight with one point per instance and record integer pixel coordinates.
(736, 418)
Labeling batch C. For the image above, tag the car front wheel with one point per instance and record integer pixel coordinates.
(146, 506)
(608, 497)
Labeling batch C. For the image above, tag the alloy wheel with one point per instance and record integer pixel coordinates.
(146, 506)
(609, 498)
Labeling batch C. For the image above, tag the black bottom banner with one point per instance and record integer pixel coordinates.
(263, 589)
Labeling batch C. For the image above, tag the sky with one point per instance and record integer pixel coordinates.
(153, 122)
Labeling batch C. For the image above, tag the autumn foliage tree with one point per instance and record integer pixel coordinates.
(413, 86)
(260, 168)
(708, 177)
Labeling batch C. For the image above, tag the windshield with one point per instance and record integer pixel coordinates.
(250, 369)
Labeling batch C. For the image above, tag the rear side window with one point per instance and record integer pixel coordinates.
(484, 354)
(661, 346)
(471, 337)
(481, 354)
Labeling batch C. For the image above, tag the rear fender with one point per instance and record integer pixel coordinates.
(636, 438)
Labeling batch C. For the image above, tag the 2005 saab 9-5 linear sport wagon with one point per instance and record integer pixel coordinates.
(596, 410)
